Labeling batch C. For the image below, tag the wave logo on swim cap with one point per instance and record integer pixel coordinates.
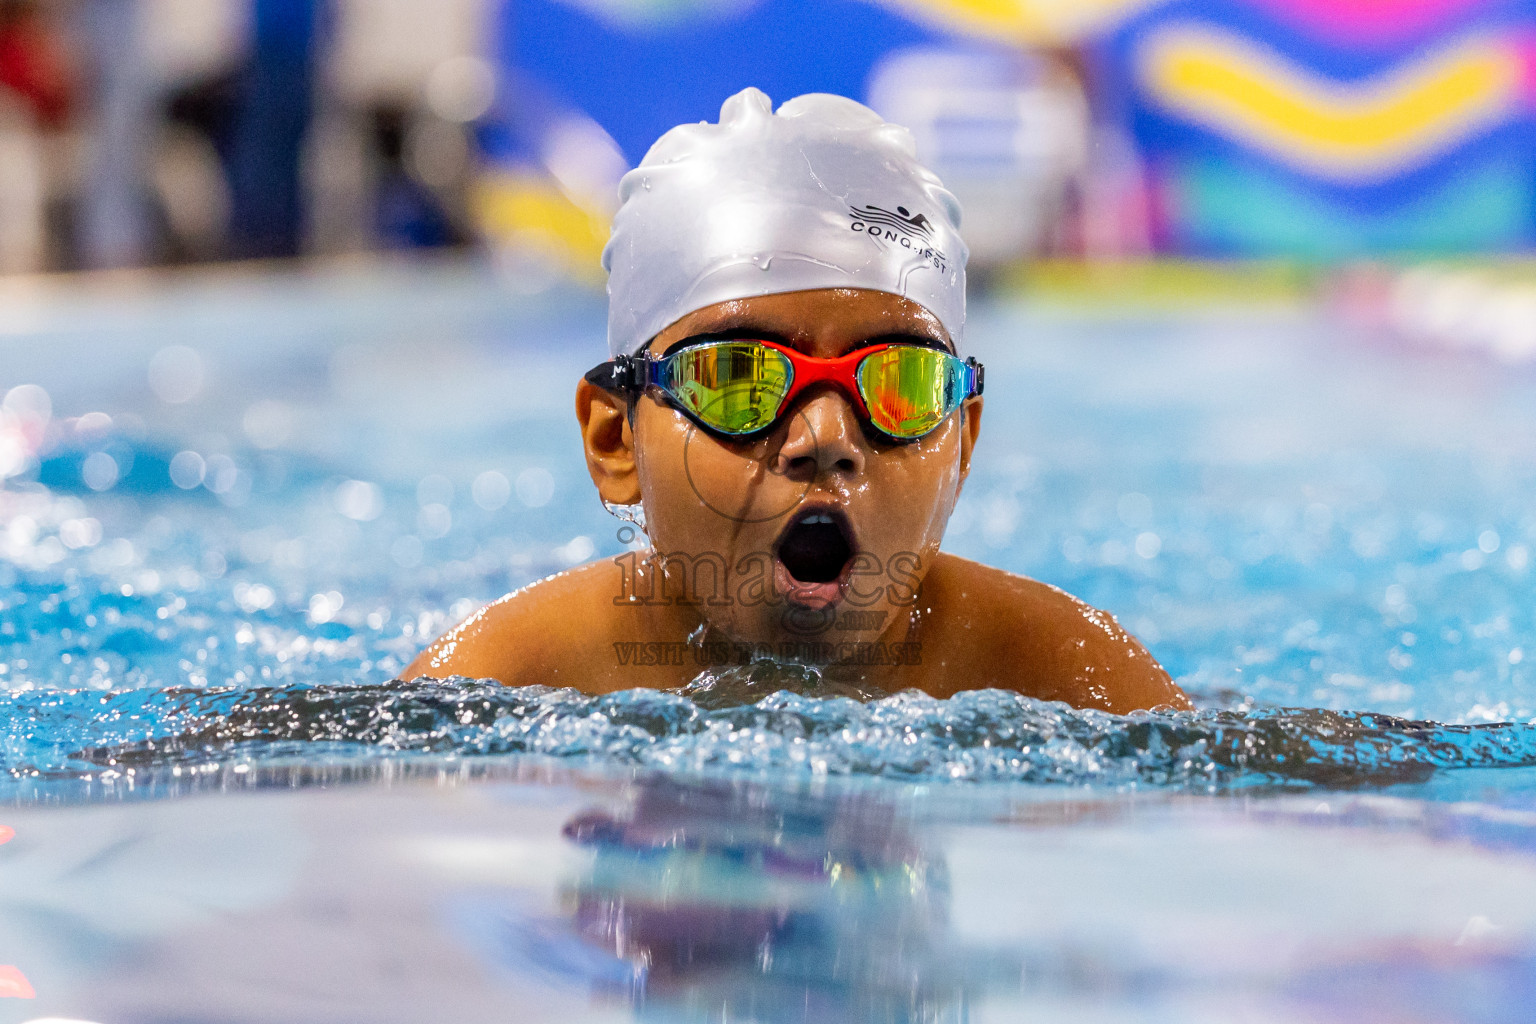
(899, 227)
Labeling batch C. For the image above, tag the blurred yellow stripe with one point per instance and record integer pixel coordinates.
(528, 211)
(1249, 93)
(1031, 22)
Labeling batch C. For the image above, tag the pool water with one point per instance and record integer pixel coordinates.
(237, 505)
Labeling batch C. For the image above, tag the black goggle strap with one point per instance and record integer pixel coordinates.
(977, 377)
(627, 374)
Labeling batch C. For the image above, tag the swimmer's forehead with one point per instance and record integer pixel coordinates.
(835, 318)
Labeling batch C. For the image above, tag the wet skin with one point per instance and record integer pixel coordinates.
(724, 517)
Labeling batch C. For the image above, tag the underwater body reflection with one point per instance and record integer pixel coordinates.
(723, 904)
(523, 890)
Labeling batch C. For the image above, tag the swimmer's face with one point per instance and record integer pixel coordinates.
(818, 518)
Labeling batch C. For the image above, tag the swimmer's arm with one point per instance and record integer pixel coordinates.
(1043, 642)
(520, 639)
(1094, 663)
(475, 648)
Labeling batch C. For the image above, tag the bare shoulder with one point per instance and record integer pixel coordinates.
(1050, 644)
(526, 633)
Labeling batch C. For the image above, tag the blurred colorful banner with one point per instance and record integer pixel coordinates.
(1326, 128)
(1318, 129)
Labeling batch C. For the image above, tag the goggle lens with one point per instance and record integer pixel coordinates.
(735, 387)
(908, 389)
(739, 388)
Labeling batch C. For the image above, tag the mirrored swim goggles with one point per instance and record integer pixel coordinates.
(739, 389)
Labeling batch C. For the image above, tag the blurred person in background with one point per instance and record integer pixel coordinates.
(144, 132)
(408, 212)
(272, 119)
(37, 93)
(162, 116)
(1008, 131)
(392, 160)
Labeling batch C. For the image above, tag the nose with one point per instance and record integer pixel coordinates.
(823, 439)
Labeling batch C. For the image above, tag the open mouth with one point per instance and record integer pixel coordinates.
(814, 552)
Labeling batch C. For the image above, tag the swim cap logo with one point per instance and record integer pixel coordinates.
(899, 227)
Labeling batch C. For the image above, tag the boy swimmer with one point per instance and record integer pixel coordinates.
(788, 412)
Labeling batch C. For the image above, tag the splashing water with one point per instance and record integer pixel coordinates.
(984, 735)
(233, 588)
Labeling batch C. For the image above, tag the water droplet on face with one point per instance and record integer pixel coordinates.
(645, 183)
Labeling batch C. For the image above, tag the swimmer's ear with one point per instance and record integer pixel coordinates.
(970, 429)
(609, 443)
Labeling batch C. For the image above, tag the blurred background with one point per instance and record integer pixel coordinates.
(1077, 132)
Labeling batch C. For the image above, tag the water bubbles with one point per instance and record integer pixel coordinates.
(1148, 545)
(491, 490)
(24, 416)
(535, 487)
(22, 531)
(29, 403)
(434, 490)
(257, 546)
(406, 552)
(1488, 542)
(576, 550)
(434, 521)
(15, 453)
(112, 556)
(92, 426)
(1318, 518)
(323, 607)
(359, 500)
(221, 474)
(1368, 542)
(224, 477)
(1000, 517)
(99, 471)
(792, 726)
(268, 424)
(80, 533)
(1134, 510)
(187, 470)
(176, 374)
(253, 597)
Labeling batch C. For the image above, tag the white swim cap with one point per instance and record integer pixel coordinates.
(823, 194)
